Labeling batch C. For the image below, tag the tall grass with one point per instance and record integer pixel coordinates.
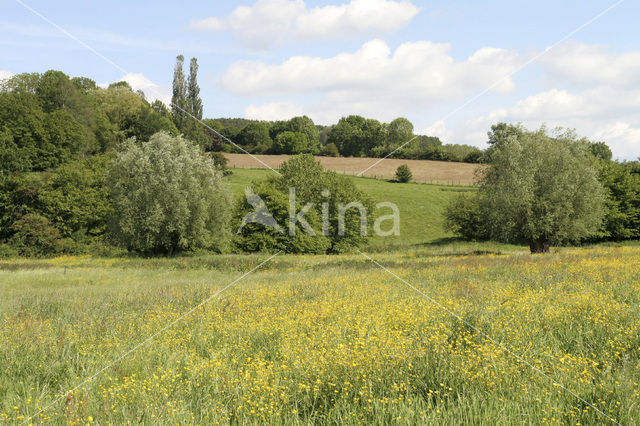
(324, 339)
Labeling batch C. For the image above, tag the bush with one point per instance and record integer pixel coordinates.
(255, 237)
(168, 196)
(463, 216)
(331, 150)
(403, 174)
(312, 184)
(34, 235)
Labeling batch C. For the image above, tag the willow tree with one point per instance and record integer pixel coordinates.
(541, 190)
(168, 197)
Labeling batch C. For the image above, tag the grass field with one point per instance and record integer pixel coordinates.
(442, 172)
(421, 205)
(331, 339)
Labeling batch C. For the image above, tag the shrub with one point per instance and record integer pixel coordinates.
(167, 196)
(34, 235)
(463, 216)
(403, 174)
(331, 150)
(314, 185)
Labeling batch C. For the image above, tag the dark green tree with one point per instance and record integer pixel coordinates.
(291, 143)
(403, 174)
(255, 137)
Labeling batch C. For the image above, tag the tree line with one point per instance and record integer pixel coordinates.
(352, 136)
(89, 168)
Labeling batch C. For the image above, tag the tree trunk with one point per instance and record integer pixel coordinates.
(539, 246)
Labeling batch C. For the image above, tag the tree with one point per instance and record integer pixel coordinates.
(403, 174)
(503, 132)
(255, 137)
(622, 216)
(348, 136)
(179, 97)
(464, 216)
(541, 190)
(305, 125)
(193, 91)
(399, 131)
(33, 235)
(75, 198)
(326, 191)
(600, 150)
(331, 150)
(291, 143)
(146, 122)
(167, 197)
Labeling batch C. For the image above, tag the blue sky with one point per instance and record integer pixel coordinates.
(273, 59)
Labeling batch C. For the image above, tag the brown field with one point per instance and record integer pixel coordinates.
(423, 170)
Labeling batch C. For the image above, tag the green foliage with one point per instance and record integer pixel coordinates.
(194, 103)
(503, 132)
(309, 180)
(600, 150)
(622, 217)
(464, 217)
(73, 199)
(76, 200)
(33, 235)
(399, 132)
(291, 143)
(331, 150)
(305, 125)
(179, 97)
(167, 197)
(219, 160)
(254, 137)
(403, 174)
(356, 136)
(541, 190)
(25, 136)
(146, 121)
(254, 237)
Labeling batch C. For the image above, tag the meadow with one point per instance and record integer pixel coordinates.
(421, 205)
(325, 339)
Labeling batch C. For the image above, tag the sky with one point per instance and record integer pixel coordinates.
(452, 68)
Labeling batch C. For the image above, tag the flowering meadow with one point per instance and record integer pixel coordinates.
(324, 339)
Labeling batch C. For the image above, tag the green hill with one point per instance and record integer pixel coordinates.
(421, 205)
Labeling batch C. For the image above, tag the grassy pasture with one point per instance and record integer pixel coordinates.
(324, 339)
(420, 205)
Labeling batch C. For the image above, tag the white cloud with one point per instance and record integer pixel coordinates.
(5, 74)
(151, 90)
(600, 98)
(579, 63)
(273, 111)
(624, 138)
(419, 72)
(603, 113)
(358, 16)
(270, 22)
(440, 130)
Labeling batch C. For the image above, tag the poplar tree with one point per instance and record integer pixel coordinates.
(193, 95)
(179, 98)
